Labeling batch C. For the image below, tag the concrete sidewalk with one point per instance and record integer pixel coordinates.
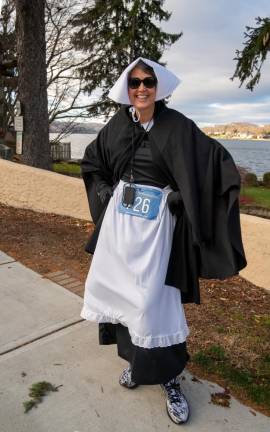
(31, 306)
(44, 339)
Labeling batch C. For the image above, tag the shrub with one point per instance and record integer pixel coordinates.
(266, 179)
(243, 172)
(246, 200)
(250, 179)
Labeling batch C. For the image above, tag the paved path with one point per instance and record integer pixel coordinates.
(31, 306)
(90, 398)
(256, 240)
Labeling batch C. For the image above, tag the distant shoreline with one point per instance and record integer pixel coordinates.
(240, 139)
(212, 136)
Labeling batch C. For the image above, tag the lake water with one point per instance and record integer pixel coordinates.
(253, 155)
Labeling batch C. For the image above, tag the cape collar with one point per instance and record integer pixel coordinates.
(160, 107)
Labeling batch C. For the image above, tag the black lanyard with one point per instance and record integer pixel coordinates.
(131, 179)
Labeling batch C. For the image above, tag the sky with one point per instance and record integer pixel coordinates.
(203, 59)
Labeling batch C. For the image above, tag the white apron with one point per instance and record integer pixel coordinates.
(125, 283)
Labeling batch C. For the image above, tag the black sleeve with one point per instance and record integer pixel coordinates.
(222, 253)
(95, 176)
(175, 203)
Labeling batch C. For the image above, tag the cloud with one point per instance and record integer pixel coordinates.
(203, 59)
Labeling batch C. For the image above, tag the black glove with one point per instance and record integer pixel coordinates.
(104, 192)
(175, 203)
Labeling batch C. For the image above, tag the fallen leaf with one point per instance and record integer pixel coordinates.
(221, 398)
(195, 379)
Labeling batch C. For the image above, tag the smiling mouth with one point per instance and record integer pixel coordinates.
(142, 97)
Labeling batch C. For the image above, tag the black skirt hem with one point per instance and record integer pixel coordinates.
(149, 366)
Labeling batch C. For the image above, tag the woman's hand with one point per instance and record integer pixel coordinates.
(103, 189)
(175, 203)
(105, 192)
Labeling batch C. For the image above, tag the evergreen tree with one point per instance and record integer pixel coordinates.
(251, 59)
(114, 33)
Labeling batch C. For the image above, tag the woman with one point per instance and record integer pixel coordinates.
(154, 173)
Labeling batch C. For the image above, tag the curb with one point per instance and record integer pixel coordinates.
(64, 280)
(256, 211)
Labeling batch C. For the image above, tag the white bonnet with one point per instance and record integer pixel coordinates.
(167, 82)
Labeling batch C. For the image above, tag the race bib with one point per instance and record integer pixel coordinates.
(146, 203)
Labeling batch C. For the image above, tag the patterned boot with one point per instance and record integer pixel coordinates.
(176, 403)
(125, 379)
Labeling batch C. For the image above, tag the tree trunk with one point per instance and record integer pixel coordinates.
(32, 88)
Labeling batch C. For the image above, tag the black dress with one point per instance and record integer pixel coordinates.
(148, 365)
(207, 239)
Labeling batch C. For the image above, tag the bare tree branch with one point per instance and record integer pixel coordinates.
(64, 84)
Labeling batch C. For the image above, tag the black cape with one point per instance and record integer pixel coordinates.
(207, 239)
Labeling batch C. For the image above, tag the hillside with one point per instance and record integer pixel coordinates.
(79, 128)
(231, 130)
(239, 130)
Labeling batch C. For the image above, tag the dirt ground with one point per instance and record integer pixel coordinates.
(232, 314)
(45, 242)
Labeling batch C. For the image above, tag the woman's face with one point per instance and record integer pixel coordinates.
(141, 98)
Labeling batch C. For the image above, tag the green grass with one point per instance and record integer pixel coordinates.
(260, 194)
(255, 384)
(263, 320)
(221, 329)
(239, 316)
(37, 391)
(67, 168)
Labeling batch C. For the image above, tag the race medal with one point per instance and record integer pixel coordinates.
(146, 203)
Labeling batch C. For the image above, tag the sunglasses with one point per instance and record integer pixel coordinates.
(148, 82)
